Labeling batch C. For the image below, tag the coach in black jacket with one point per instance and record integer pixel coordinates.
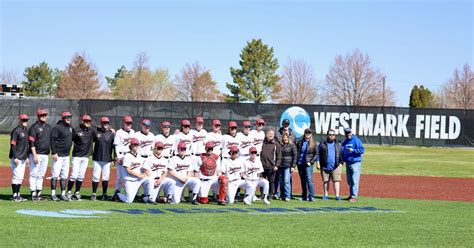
(271, 158)
(61, 142)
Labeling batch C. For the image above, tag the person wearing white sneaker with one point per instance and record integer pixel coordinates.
(253, 170)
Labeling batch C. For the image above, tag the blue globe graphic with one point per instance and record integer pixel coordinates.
(299, 120)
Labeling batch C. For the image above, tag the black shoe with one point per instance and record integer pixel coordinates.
(34, 198)
(93, 197)
(222, 203)
(115, 196)
(64, 198)
(195, 202)
(104, 198)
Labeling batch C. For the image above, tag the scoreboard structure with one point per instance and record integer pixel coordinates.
(11, 90)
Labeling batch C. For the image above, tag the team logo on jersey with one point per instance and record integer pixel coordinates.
(246, 144)
(187, 141)
(22, 135)
(40, 129)
(126, 141)
(252, 170)
(198, 138)
(180, 167)
(167, 145)
(232, 144)
(144, 143)
(257, 141)
(233, 170)
(135, 165)
(155, 167)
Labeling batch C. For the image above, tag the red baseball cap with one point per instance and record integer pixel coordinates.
(159, 144)
(253, 149)
(165, 123)
(86, 118)
(23, 117)
(199, 119)
(232, 124)
(185, 123)
(260, 121)
(104, 119)
(182, 146)
(65, 114)
(234, 149)
(146, 122)
(209, 144)
(41, 112)
(216, 122)
(127, 119)
(246, 123)
(134, 142)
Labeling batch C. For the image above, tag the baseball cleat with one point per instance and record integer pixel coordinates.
(77, 196)
(34, 198)
(247, 201)
(115, 196)
(255, 198)
(222, 203)
(195, 202)
(104, 198)
(54, 198)
(93, 197)
(69, 196)
(64, 198)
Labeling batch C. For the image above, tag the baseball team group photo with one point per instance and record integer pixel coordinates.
(232, 123)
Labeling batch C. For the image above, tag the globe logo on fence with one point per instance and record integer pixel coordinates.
(299, 120)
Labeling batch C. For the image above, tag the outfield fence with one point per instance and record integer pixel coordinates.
(375, 125)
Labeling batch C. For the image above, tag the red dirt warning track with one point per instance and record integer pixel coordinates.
(406, 187)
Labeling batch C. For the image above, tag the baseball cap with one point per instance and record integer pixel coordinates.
(134, 142)
(23, 117)
(65, 114)
(185, 123)
(165, 124)
(285, 121)
(127, 119)
(246, 123)
(216, 122)
(104, 119)
(86, 118)
(199, 119)
(41, 112)
(260, 121)
(307, 130)
(159, 144)
(232, 124)
(209, 144)
(347, 130)
(234, 149)
(181, 146)
(253, 149)
(146, 122)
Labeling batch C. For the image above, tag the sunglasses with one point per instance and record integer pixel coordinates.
(159, 148)
(253, 153)
(43, 115)
(187, 126)
(248, 126)
(105, 123)
(129, 123)
(67, 117)
(24, 120)
(261, 124)
(233, 128)
(217, 125)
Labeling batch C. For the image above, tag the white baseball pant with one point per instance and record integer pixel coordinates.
(37, 171)
(131, 188)
(60, 168)
(167, 185)
(79, 167)
(18, 171)
(206, 185)
(100, 167)
(262, 182)
(234, 185)
(192, 183)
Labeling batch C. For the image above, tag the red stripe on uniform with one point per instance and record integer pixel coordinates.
(31, 138)
(13, 142)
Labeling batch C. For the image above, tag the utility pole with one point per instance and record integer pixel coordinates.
(383, 91)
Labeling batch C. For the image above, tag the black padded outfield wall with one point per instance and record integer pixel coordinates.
(375, 125)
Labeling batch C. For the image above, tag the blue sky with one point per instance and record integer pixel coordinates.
(412, 42)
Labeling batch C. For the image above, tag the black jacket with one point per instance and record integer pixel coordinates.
(311, 154)
(39, 136)
(289, 155)
(61, 139)
(323, 154)
(271, 154)
(83, 138)
(104, 145)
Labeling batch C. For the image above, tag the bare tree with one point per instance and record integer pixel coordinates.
(195, 84)
(459, 90)
(79, 80)
(353, 81)
(9, 77)
(297, 84)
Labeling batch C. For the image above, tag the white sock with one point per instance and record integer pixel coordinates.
(53, 192)
(63, 192)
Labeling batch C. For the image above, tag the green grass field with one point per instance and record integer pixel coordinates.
(416, 223)
(386, 160)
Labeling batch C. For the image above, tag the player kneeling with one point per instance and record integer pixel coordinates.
(210, 175)
(158, 165)
(137, 174)
(253, 175)
(234, 170)
(181, 171)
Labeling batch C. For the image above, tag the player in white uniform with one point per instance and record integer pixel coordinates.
(253, 175)
(167, 139)
(184, 135)
(199, 136)
(181, 171)
(258, 135)
(158, 165)
(246, 141)
(230, 139)
(208, 172)
(137, 173)
(146, 139)
(216, 138)
(234, 170)
(121, 143)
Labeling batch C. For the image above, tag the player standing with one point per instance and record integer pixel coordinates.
(102, 157)
(39, 136)
(121, 143)
(19, 155)
(246, 140)
(230, 139)
(146, 139)
(234, 170)
(184, 136)
(83, 139)
(253, 175)
(61, 142)
(167, 139)
(199, 136)
(258, 135)
(180, 169)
